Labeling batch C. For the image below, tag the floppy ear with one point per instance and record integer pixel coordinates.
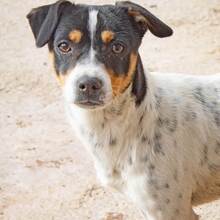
(43, 21)
(139, 86)
(145, 20)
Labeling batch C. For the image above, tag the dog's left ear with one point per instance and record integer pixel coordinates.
(43, 21)
(145, 20)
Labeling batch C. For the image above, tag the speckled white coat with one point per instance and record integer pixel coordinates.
(164, 154)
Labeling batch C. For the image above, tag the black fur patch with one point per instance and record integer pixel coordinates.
(139, 86)
(44, 20)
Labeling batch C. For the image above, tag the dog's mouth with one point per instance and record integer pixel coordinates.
(89, 103)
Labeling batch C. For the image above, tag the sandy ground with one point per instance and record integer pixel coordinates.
(45, 173)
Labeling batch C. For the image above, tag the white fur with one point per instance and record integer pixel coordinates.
(92, 29)
(164, 154)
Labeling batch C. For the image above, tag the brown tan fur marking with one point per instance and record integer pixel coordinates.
(120, 83)
(75, 36)
(107, 36)
(61, 78)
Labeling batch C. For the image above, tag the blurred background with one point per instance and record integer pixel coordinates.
(45, 173)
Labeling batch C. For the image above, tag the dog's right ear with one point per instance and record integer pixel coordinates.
(145, 20)
(44, 20)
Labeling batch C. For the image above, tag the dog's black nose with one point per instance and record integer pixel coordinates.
(89, 91)
(89, 84)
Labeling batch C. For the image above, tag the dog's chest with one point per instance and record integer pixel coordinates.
(112, 155)
(112, 146)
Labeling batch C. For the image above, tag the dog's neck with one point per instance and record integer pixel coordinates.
(119, 109)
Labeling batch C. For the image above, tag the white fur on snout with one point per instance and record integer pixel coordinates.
(90, 70)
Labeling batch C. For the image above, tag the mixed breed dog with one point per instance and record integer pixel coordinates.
(154, 137)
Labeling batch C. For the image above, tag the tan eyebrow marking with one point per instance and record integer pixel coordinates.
(107, 36)
(75, 36)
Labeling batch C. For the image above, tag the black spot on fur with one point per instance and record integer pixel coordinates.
(163, 122)
(170, 125)
(113, 141)
(175, 144)
(173, 125)
(217, 118)
(141, 118)
(155, 196)
(214, 103)
(103, 125)
(197, 93)
(158, 97)
(167, 201)
(157, 145)
(174, 122)
(214, 168)
(193, 115)
(190, 115)
(144, 158)
(177, 212)
(160, 122)
(91, 136)
(130, 162)
(212, 107)
(97, 145)
(180, 196)
(175, 175)
(160, 208)
(205, 155)
(217, 148)
(151, 167)
(144, 139)
(167, 186)
(153, 182)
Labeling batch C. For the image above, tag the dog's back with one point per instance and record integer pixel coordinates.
(189, 106)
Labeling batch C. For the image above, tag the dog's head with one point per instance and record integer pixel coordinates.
(94, 48)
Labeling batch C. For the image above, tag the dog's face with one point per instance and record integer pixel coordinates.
(94, 48)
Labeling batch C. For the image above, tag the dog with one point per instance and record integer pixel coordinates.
(153, 137)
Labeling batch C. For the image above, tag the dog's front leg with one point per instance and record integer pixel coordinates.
(169, 214)
(161, 199)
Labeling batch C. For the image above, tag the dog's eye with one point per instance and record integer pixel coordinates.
(64, 47)
(117, 48)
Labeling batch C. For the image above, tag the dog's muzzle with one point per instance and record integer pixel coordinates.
(89, 92)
